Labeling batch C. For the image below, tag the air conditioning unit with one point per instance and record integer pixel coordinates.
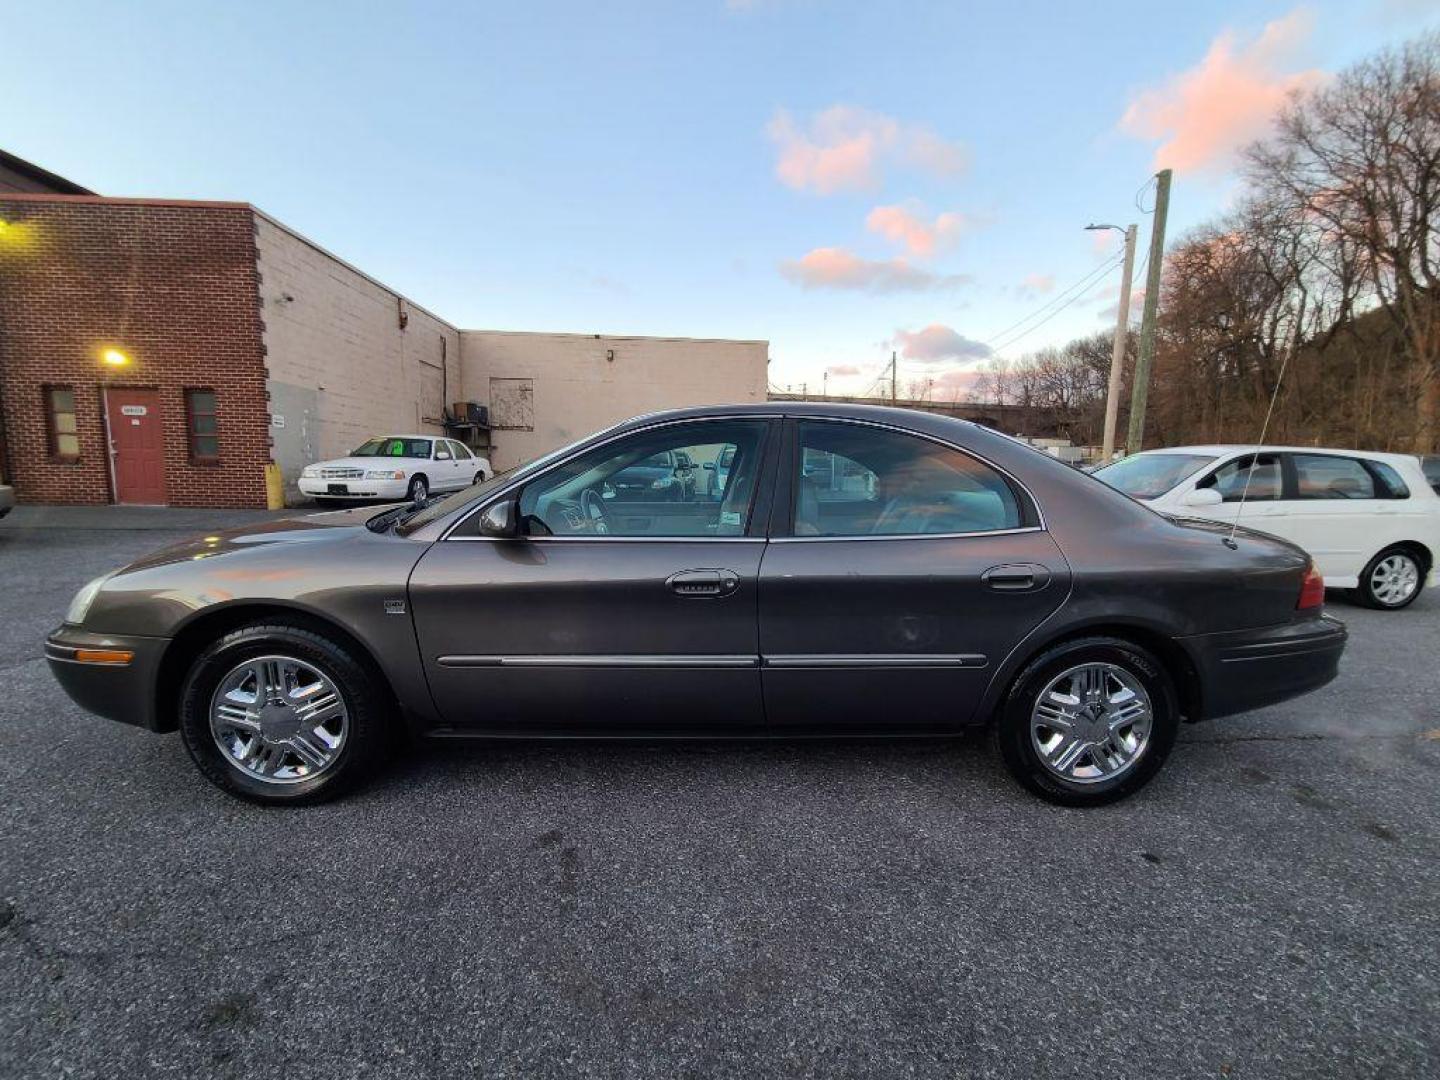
(468, 412)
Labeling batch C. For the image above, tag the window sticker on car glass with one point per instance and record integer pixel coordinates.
(729, 517)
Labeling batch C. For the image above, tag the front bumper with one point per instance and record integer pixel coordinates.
(1247, 669)
(393, 490)
(117, 691)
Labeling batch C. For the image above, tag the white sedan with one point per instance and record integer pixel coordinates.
(1370, 521)
(396, 467)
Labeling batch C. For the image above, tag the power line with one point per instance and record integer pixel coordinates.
(995, 342)
(1079, 296)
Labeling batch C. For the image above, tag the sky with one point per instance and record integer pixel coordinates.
(842, 179)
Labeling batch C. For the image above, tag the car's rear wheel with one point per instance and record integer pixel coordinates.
(419, 490)
(1391, 580)
(480, 477)
(280, 713)
(1088, 721)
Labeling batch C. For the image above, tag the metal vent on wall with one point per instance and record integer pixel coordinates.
(512, 404)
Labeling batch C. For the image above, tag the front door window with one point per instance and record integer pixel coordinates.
(650, 485)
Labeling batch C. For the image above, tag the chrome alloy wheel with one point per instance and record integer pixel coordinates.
(1395, 579)
(278, 719)
(1091, 723)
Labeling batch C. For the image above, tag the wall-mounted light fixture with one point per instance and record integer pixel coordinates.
(114, 358)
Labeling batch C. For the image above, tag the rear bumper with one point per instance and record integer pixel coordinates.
(1247, 669)
(121, 692)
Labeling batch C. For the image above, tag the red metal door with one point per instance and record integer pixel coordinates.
(137, 439)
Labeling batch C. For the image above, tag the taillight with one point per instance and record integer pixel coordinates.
(1312, 589)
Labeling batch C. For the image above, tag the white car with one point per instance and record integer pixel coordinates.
(396, 467)
(1370, 521)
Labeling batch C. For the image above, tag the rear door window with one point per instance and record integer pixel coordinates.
(857, 480)
(1326, 476)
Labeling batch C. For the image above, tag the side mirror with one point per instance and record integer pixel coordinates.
(442, 455)
(1203, 497)
(498, 521)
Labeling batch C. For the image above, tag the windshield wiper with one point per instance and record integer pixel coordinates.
(381, 522)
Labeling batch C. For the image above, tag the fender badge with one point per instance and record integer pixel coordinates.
(394, 607)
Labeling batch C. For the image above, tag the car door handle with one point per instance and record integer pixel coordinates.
(1016, 577)
(703, 583)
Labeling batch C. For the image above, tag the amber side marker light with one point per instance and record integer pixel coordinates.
(104, 656)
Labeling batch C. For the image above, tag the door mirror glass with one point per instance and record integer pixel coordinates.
(1203, 497)
(442, 455)
(498, 520)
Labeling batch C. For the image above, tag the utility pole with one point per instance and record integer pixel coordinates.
(1122, 334)
(825, 384)
(1141, 390)
(894, 391)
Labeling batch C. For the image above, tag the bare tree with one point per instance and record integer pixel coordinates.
(1360, 161)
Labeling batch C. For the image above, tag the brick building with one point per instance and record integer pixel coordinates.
(165, 352)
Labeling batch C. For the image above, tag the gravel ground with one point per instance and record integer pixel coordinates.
(1266, 908)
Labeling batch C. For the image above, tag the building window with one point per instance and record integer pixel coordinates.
(60, 423)
(200, 423)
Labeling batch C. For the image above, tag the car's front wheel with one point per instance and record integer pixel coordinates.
(1391, 580)
(1088, 721)
(279, 712)
(419, 490)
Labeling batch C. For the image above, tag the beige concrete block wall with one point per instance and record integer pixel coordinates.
(581, 382)
(340, 367)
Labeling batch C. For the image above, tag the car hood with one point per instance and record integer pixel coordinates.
(329, 527)
(376, 463)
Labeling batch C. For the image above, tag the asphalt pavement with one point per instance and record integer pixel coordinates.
(1268, 907)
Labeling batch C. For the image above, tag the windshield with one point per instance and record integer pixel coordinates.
(1148, 476)
(392, 447)
(437, 510)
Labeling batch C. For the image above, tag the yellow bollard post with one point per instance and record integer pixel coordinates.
(274, 487)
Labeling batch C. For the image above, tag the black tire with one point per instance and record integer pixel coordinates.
(1366, 594)
(480, 477)
(419, 489)
(366, 700)
(1022, 758)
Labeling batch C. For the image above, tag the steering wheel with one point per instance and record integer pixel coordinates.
(594, 510)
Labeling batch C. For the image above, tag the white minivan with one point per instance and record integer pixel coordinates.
(1370, 521)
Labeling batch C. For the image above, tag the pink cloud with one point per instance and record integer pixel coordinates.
(954, 383)
(1206, 114)
(844, 148)
(938, 342)
(837, 268)
(1037, 285)
(843, 370)
(1102, 240)
(908, 227)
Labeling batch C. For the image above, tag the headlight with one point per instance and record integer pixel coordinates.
(385, 474)
(75, 613)
(310, 471)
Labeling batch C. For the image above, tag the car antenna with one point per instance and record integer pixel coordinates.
(1229, 541)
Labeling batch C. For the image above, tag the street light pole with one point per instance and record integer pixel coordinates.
(1122, 333)
(1145, 355)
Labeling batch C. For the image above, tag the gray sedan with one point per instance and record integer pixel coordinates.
(858, 572)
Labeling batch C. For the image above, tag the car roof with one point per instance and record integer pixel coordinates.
(418, 435)
(832, 409)
(1220, 449)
